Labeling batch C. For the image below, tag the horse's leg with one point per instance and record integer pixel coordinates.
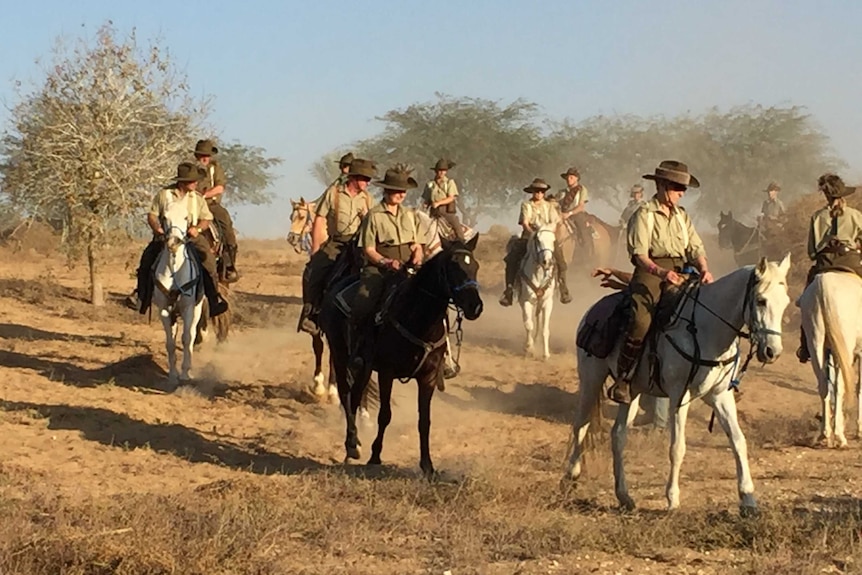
(170, 345)
(426, 392)
(317, 346)
(619, 432)
(547, 307)
(820, 362)
(333, 383)
(858, 388)
(592, 373)
(191, 317)
(724, 405)
(384, 415)
(838, 406)
(677, 421)
(528, 313)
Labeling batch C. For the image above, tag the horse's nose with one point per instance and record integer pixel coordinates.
(770, 354)
(477, 310)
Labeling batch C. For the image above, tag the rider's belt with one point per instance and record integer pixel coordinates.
(399, 252)
(341, 239)
(669, 262)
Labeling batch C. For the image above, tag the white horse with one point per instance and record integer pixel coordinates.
(176, 292)
(832, 317)
(537, 281)
(699, 357)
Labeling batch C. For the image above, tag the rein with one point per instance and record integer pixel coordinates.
(742, 250)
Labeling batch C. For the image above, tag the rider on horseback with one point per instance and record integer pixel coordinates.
(834, 239)
(182, 189)
(389, 238)
(661, 239)
(772, 212)
(535, 212)
(439, 196)
(211, 186)
(339, 213)
(636, 201)
(573, 207)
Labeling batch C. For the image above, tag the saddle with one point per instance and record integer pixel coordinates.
(605, 322)
(347, 290)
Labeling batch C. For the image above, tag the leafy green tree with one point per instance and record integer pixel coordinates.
(249, 173)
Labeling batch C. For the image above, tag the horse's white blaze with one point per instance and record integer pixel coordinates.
(762, 310)
(174, 272)
(537, 275)
(832, 319)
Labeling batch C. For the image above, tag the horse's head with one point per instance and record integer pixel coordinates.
(542, 245)
(767, 299)
(459, 274)
(725, 230)
(301, 216)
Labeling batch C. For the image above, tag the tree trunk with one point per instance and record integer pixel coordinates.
(97, 294)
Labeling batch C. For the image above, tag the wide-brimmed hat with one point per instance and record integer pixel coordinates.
(189, 172)
(538, 185)
(345, 160)
(773, 186)
(833, 186)
(205, 148)
(364, 168)
(673, 171)
(443, 164)
(397, 179)
(570, 172)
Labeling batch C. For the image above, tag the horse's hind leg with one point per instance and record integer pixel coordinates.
(190, 323)
(170, 346)
(384, 415)
(678, 418)
(592, 374)
(528, 314)
(724, 405)
(426, 392)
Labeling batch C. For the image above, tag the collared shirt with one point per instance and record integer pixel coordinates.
(214, 177)
(538, 214)
(195, 205)
(630, 209)
(846, 229)
(382, 228)
(434, 192)
(772, 209)
(571, 197)
(343, 213)
(651, 233)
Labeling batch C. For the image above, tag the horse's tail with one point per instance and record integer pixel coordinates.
(835, 338)
(596, 423)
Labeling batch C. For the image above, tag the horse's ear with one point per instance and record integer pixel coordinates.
(292, 204)
(445, 244)
(761, 266)
(301, 200)
(721, 214)
(471, 245)
(784, 266)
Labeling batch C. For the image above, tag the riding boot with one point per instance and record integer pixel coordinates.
(802, 354)
(565, 296)
(357, 345)
(511, 272)
(620, 391)
(231, 274)
(217, 304)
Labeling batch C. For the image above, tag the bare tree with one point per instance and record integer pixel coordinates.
(91, 144)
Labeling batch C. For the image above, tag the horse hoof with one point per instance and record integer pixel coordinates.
(354, 453)
(749, 511)
(627, 505)
(374, 461)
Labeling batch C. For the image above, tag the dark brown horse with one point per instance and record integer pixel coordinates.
(743, 240)
(605, 240)
(410, 342)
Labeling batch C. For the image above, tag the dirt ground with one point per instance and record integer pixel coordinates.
(103, 471)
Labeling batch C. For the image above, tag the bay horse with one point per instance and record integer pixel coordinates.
(301, 218)
(743, 240)
(831, 309)
(537, 282)
(410, 341)
(178, 291)
(696, 356)
(605, 239)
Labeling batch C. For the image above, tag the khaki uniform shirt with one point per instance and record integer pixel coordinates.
(381, 228)
(343, 213)
(214, 177)
(772, 209)
(538, 214)
(629, 210)
(196, 205)
(569, 200)
(847, 229)
(435, 192)
(651, 233)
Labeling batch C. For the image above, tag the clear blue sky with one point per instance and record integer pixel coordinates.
(302, 78)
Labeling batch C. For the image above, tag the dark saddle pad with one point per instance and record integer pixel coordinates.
(605, 322)
(347, 290)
